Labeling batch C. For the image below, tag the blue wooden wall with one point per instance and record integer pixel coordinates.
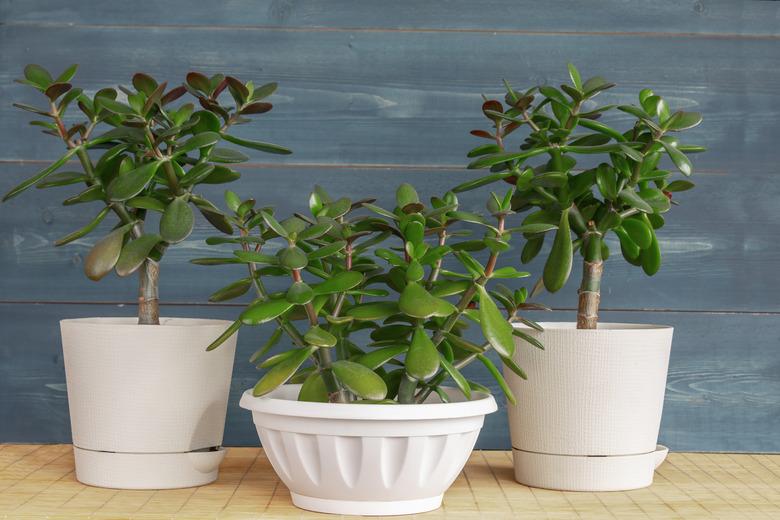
(374, 93)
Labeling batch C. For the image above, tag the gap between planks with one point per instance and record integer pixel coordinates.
(401, 30)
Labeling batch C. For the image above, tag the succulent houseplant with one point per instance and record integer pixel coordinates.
(592, 179)
(375, 302)
(153, 156)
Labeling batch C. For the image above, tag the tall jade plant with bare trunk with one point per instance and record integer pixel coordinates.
(148, 155)
(620, 187)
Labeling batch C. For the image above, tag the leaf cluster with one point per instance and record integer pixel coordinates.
(142, 150)
(562, 187)
(376, 301)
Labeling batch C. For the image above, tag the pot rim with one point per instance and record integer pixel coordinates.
(602, 327)
(278, 402)
(169, 322)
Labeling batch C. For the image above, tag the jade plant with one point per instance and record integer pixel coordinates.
(374, 303)
(140, 154)
(589, 178)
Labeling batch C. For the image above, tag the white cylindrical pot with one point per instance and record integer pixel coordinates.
(147, 402)
(360, 459)
(587, 417)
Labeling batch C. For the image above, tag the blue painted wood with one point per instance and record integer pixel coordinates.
(723, 391)
(376, 93)
(742, 235)
(629, 16)
(411, 97)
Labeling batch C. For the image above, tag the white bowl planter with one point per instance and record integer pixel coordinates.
(359, 459)
(587, 418)
(147, 402)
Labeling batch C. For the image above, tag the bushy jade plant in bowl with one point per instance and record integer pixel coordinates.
(598, 386)
(147, 402)
(366, 410)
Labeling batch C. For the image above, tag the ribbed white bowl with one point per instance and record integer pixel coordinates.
(146, 402)
(367, 459)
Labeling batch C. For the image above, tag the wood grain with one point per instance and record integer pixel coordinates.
(374, 94)
(39, 481)
(689, 17)
(743, 235)
(411, 98)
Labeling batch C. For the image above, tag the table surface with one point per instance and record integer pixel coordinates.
(38, 481)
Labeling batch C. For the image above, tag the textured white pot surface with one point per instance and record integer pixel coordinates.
(367, 459)
(574, 473)
(149, 390)
(590, 393)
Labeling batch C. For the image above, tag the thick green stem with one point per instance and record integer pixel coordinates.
(590, 288)
(406, 390)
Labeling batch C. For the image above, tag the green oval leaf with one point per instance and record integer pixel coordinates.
(145, 202)
(558, 265)
(638, 232)
(456, 376)
(422, 360)
(373, 311)
(379, 357)
(38, 75)
(498, 377)
(360, 380)
(177, 221)
(415, 301)
(682, 121)
(128, 185)
(405, 195)
(676, 186)
(231, 291)
(679, 159)
(632, 198)
(656, 199)
(651, 258)
(264, 311)
(197, 142)
(257, 145)
(606, 179)
(339, 282)
(256, 257)
(105, 253)
(299, 293)
(232, 329)
(495, 327)
(134, 253)
(227, 155)
(313, 389)
(281, 372)
(292, 257)
(319, 337)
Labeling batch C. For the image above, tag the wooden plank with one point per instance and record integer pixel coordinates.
(718, 17)
(722, 391)
(723, 263)
(410, 98)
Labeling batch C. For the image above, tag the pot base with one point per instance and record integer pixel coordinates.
(147, 470)
(367, 508)
(587, 473)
